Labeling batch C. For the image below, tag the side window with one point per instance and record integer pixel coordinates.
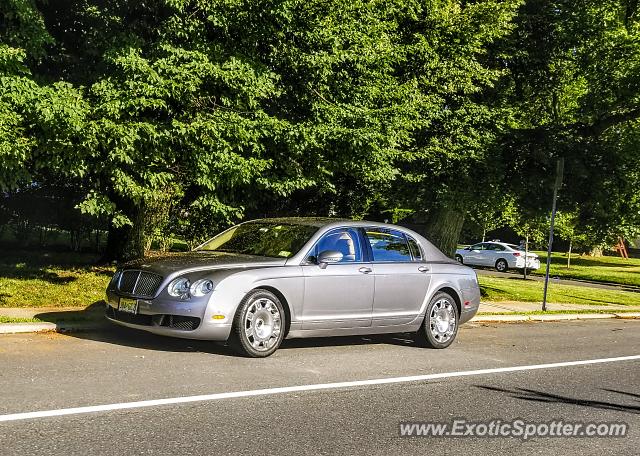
(498, 248)
(477, 247)
(344, 240)
(388, 245)
(415, 249)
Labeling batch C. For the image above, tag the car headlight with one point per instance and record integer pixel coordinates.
(179, 287)
(201, 287)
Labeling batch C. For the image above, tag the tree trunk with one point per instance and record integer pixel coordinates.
(134, 241)
(116, 238)
(443, 229)
(569, 256)
(97, 239)
(125, 243)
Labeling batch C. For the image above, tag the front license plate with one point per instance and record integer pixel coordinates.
(128, 305)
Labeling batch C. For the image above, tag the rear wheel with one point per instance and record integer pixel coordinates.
(502, 265)
(440, 325)
(258, 327)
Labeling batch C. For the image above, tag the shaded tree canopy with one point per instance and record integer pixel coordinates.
(185, 116)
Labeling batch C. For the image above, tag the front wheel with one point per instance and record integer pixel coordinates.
(440, 325)
(258, 327)
(459, 259)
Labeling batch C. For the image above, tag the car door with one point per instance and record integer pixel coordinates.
(474, 256)
(489, 254)
(338, 295)
(498, 251)
(401, 276)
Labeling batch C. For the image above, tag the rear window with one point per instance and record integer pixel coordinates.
(388, 245)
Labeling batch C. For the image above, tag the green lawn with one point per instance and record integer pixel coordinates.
(516, 289)
(51, 279)
(4, 319)
(600, 269)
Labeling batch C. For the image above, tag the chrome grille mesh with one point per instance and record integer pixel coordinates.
(139, 283)
(147, 284)
(128, 281)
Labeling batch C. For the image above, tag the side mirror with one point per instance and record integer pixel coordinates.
(468, 248)
(329, 256)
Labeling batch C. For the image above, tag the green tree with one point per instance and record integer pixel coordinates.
(573, 90)
(567, 225)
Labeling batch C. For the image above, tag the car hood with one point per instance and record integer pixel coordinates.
(201, 260)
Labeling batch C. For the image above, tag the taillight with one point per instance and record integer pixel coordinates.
(516, 253)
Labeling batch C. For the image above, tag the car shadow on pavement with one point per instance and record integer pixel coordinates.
(91, 324)
(541, 396)
(92, 314)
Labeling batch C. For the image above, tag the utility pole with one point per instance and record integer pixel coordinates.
(556, 187)
(526, 255)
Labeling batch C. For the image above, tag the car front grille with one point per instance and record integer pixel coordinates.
(180, 322)
(139, 283)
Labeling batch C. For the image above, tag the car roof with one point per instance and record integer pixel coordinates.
(321, 222)
(506, 244)
(317, 222)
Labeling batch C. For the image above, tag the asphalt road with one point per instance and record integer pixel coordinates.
(53, 371)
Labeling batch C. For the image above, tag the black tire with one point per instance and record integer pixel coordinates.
(459, 259)
(251, 336)
(502, 265)
(431, 332)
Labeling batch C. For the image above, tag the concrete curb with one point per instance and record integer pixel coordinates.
(629, 315)
(60, 327)
(503, 318)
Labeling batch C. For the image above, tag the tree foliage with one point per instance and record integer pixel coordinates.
(184, 116)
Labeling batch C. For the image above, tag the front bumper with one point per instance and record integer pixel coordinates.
(470, 304)
(187, 320)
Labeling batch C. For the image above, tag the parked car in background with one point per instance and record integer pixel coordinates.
(262, 281)
(499, 255)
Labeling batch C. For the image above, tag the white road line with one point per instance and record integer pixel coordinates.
(298, 388)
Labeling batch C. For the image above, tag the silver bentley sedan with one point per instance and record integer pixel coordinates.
(262, 281)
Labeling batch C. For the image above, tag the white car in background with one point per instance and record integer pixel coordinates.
(499, 255)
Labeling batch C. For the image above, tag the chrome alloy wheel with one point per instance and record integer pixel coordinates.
(442, 320)
(262, 324)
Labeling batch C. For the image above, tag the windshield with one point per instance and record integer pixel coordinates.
(278, 240)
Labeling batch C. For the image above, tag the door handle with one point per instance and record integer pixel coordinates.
(364, 270)
(423, 269)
